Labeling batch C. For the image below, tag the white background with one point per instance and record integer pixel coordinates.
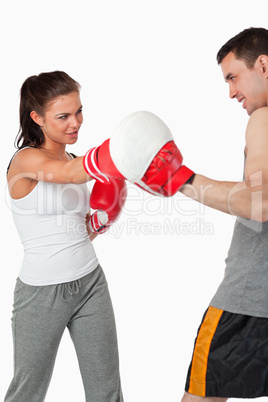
(135, 55)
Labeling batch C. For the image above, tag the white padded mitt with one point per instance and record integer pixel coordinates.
(136, 141)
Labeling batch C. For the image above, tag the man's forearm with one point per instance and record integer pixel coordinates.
(243, 199)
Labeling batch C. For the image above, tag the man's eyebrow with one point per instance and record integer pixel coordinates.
(228, 76)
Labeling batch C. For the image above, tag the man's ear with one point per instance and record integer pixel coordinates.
(263, 60)
(36, 118)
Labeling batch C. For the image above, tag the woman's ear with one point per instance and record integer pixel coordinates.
(36, 118)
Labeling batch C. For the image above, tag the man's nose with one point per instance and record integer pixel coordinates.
(232, 91)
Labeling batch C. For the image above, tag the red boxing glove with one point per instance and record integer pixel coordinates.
(99, 165)
(108, 199)
(166, 174)
(141, 150)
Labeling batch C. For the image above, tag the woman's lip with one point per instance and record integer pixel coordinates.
(73, 134)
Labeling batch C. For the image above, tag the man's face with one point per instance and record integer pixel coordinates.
(248, 86)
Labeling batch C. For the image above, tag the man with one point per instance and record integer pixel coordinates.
(230, 357)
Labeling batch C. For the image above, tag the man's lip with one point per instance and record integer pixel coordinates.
(242, 100)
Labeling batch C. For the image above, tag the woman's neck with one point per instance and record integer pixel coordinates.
(57, 150)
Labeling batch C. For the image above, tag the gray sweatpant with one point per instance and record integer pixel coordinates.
(40, 316)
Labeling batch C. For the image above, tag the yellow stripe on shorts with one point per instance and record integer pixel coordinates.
(201, 351)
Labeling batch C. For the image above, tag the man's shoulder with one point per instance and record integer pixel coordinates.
(258, 123)
(262, 112)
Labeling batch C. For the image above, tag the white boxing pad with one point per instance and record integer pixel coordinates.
(136, 141)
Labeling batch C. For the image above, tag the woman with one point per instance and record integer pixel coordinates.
(61, 283)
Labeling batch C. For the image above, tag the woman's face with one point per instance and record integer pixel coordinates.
(62, 120)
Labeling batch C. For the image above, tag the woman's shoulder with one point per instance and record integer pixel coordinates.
(24, 157)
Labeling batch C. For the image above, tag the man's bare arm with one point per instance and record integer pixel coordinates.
(249, 198)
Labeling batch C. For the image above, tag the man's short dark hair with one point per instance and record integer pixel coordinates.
(248, 45)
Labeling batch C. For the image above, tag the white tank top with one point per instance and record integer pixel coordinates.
(51, 224)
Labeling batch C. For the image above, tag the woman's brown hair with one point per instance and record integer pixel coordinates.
(36, 93)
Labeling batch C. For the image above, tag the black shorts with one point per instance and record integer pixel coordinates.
(230, 357)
